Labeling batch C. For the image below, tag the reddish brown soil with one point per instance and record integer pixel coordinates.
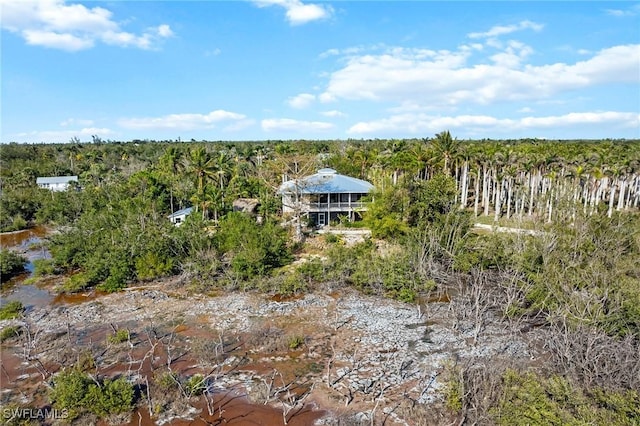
(75, 298)
(232, 409)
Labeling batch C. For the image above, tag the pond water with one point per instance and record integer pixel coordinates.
(28, 243)
(23, 239)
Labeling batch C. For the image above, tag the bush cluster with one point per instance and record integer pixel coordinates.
(10, 264)
(11, 310)
(76, 392)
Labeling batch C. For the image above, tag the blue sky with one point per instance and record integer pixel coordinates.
(291, 69)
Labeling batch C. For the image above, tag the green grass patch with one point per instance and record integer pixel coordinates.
(119, 336)
(10, 332)
(11, 310)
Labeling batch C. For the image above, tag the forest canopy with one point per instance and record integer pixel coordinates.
(568, 261)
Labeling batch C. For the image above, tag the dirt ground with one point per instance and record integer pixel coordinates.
(338, 358)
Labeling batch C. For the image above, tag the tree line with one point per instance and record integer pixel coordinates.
(577, 276)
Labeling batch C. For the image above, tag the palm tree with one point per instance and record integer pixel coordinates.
(222, 168)
(202, 167)
(171, 165)
(199, 164)
(445, 148)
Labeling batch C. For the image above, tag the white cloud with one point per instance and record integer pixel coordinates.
(333, 113)
(350, 51)
(632, 11)
(329, 52)
(297, 12)
(290, 125)
(76, 122)
(61, 136)
(445, 78)
(165, 31)
(72, 27)
(499, 30)
(327, 97)
(182, 121)
(424, 123)
(214, 52)
(301, 101)
(525, 110)
(513, 54)
(54, 40)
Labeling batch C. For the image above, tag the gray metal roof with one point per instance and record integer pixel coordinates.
(56, 179)
(183, 212)
(326, 181)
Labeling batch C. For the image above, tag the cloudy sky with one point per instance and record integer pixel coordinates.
(292, 69)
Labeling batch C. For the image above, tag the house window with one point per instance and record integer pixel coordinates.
(323, 198)
(344, 198)
(334, 198)
(356, 197)
(178, 220)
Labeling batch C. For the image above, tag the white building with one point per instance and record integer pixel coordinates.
(324, 196)
(178, 217)
(56, 183)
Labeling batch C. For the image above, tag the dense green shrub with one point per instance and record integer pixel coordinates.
(528, 399)
(195, 385)
(113, 397)
(10, 332)
(453, 392)
(11, 310)
(121, 235)
(69, 390)
(586, 272)
(75, 391)
(254, 249)
(312, 271)
(295, 342)
(20, 203)
(75, 283)
(331, 238)
(388, 211)
(167, 381)
(151, 265)
(10, 264)
(42, 267)
(291, 283)
(119, 336)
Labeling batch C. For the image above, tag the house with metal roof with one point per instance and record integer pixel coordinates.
(324, 196)
(56, 183)
(178, 217)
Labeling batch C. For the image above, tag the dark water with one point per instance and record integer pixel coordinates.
(21, 240)
(28, 243)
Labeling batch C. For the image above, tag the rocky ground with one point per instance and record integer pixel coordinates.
(337, 358)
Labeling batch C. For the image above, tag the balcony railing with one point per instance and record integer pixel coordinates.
(356, 205)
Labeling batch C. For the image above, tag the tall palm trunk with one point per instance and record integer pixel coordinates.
(498, 205)
(477, 194)
(485, 191)
(465, 185)
(623, 183)
(532, 188)
(509, 196)
(612, 196)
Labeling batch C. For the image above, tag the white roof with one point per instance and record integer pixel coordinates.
(183, 212)
(327, 181)
(56, 179)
